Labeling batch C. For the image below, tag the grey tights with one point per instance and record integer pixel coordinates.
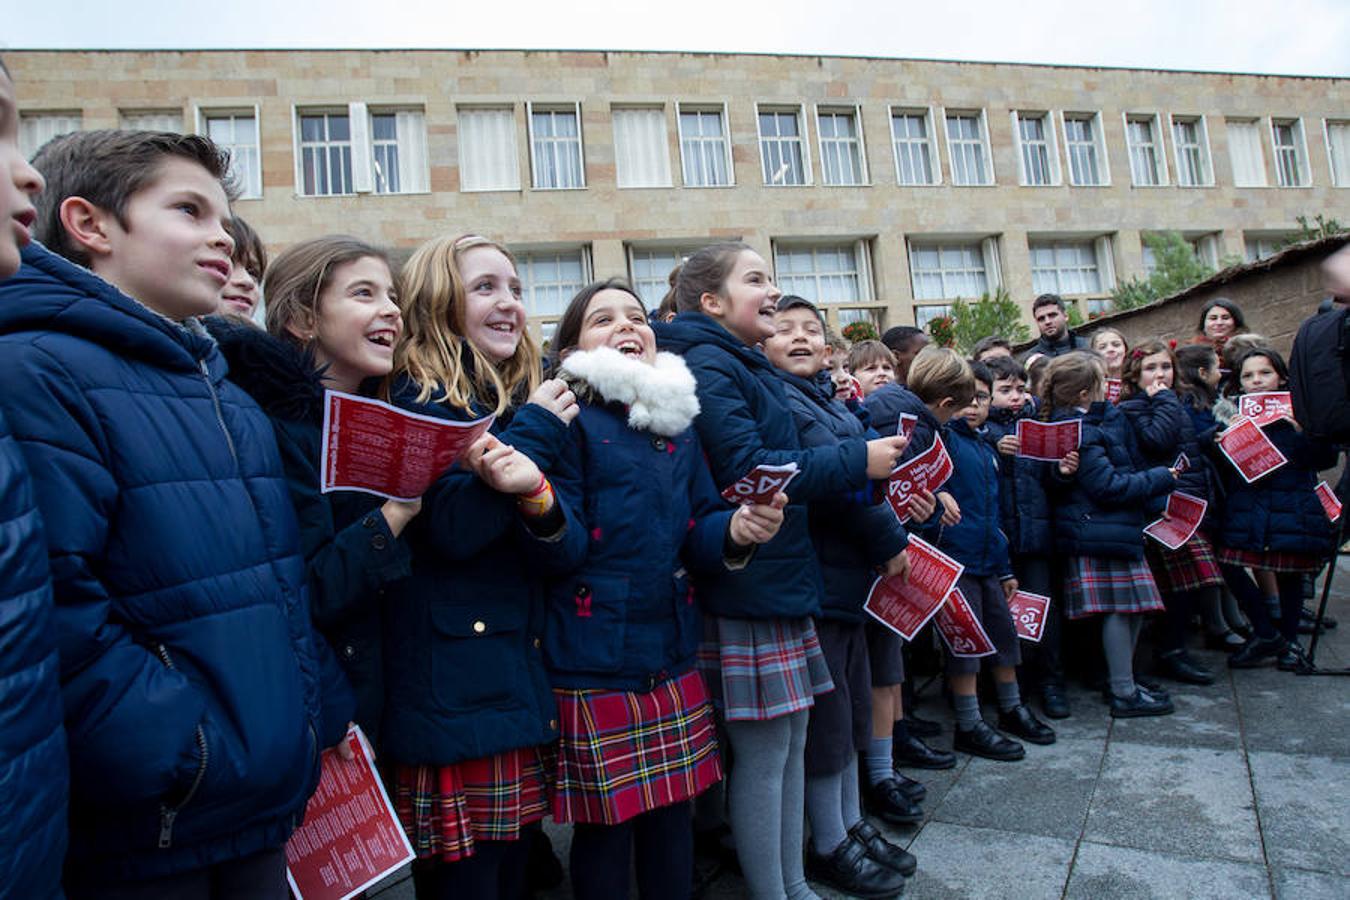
(1120, 633)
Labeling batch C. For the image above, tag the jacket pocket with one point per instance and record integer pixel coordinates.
(478, 655)
(586, 624)
(687, 617)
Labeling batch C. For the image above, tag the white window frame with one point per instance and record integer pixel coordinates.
(524, 256)
(331, 109)
(123, 114)
(360, 133)
(514, 168)
(1300, 151)
(845, 316)
(203, 114)
(927, 312)
(1159, 144)
(1102, 258)
(1260, 146)
(1206, 157)
(1339, 178)
(989, 257)
(720, 108)
(416, 183)
(802, 139)
(531, 108)
(983, 121)
(1051, 146)
(862, 260)
(1262, 237)
(37, 114)
(934, 157)
(836, 109)
(659, 108)
(1098, 143)
(679, 251)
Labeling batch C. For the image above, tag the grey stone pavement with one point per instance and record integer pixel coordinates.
(1244, 792)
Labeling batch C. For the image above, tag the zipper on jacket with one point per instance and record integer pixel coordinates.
(215, 401)
(167, 814)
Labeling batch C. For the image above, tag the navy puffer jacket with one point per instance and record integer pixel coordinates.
(852, 534)
(977, 541)
(190, 671)
(627, 617)
(463, 648)
(1164, 429)
(1114, 494)
(1279, 512)
(886, 404)
(1024, 507)
(746, 422)
(33, 764)
(350, 553)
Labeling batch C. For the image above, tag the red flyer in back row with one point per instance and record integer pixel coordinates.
(1049, 441)
(1266, 407)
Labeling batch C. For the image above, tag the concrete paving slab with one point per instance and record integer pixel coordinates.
(1123, 873)
(1047, 793)
(1298, 884)
(1204, 717)
(1192, 801)
(1286, 713)
(1304, 803)
(957, 862)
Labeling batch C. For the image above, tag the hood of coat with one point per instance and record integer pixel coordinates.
(660, 397)
(281, 377)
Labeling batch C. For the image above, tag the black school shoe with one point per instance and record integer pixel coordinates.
(983, 740)
(1020, 722)
(912, 789)
(1256, 651)
(915, 754)
(1179, 665)
(888, 802)
(924, 728)
(1143, 703)
(1054, 702)
(850, 870)
(883, 851)
(1293, 659)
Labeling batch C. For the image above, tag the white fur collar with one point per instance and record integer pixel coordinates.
(660, 397)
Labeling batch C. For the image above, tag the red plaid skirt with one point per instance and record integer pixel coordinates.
(445, 809)
(759, 669)
(622, 753)
(1190, 567)
(1271, 561)
(1094, 586)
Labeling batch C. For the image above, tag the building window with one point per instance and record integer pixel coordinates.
(872, 315)
(842, 160)
(1147, 168)
(1205, 246)
(1244, 148)
(1261, 246)
(1291, 152)
(153, 120)
(1192, 151)
(488, 157)
(823, 273)
(968, 147)
(398, 145)
(550, 278)
(237, 132)
(1338, 151)
(1037, 159)
(641, 153)
(705, 155)
(925, 314)
(1084, 148)
(948, 271)
(36, 129)
(325, 154)
(555, 148)
(782, 149)
(915, 151)
(649, 270)
(1064, 267)
(1097, 306)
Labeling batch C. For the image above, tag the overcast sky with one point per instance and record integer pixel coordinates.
(1305, 37)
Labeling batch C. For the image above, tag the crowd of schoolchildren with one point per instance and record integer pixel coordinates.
(571, 622)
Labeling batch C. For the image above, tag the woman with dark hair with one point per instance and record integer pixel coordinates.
(1220, 319)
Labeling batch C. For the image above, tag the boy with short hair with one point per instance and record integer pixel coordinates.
(33, 765)
(189, 666)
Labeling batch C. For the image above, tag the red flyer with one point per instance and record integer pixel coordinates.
(1330, 502)
(854, 388)
(1182, 464)
(1179, 520)
(907, 423)
(906, 606)
(373, 447)
(1249, 450)
(1050, 441)
(1113, 389)
(351, 837)
(1266, 407)
(1028, 612)
(926, 472)
(961, 631)
(758, 487)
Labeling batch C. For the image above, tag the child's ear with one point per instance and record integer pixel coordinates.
(88, 225)
(302, 327)
(946, 402)
(711, 304)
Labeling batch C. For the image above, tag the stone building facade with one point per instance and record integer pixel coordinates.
(882, 188)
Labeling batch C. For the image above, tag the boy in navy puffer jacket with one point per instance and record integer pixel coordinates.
(190, 670)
